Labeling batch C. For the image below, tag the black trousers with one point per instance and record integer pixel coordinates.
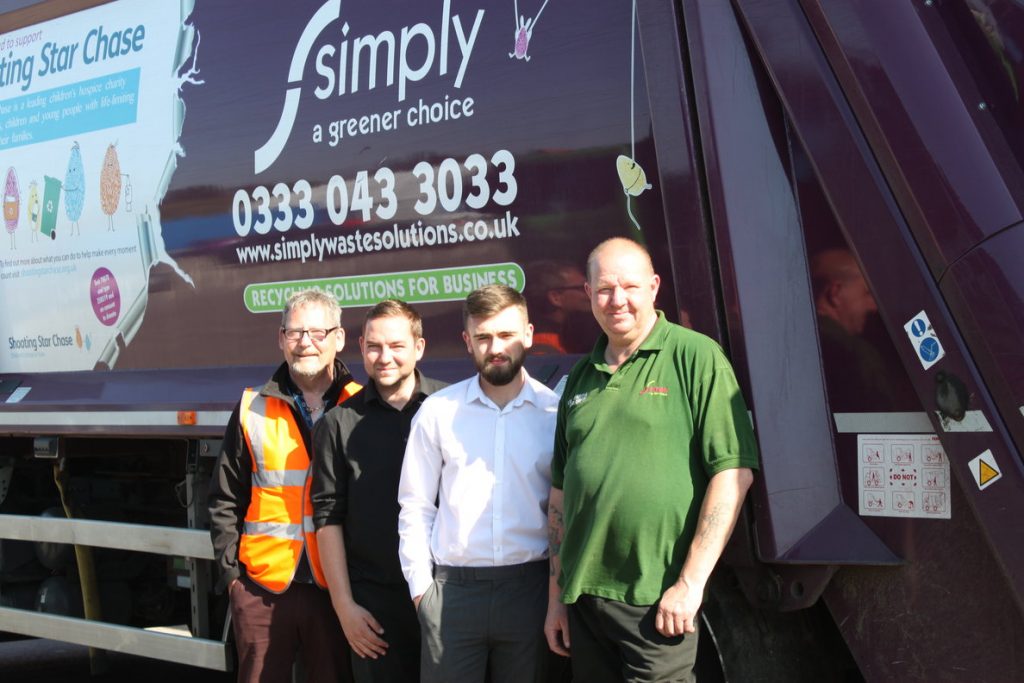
(614, 642)
(392, 607)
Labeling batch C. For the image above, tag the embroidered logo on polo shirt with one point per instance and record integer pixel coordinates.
(656, 391)
(577, 399)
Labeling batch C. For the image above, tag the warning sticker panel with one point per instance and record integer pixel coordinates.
(902, 475)
(924, 340)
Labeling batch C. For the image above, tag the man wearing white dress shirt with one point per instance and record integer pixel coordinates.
(474, 493)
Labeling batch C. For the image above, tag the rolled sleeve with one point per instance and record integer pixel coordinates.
(327, 492)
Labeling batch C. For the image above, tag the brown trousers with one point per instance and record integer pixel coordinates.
(270, 629)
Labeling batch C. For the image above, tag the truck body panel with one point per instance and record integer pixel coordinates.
(419, 149)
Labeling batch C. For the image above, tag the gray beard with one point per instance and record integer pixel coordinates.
(298, 370)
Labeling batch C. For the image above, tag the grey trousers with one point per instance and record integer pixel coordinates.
(480, 619)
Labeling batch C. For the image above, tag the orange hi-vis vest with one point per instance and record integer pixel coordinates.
(279, 521)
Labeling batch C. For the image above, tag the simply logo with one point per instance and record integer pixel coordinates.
(651, 389)
(340, 70)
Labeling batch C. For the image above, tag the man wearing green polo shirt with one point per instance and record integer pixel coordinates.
(653, 456)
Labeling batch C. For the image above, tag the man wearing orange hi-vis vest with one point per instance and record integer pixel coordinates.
(260, 510)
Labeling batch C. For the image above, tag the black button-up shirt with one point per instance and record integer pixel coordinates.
(357, 461)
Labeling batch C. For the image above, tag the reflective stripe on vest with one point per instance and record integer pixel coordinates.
(279, 521)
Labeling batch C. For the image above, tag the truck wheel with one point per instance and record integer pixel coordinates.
(59, 596)
(54, 556)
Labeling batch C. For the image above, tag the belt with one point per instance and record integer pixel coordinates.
(508, 571)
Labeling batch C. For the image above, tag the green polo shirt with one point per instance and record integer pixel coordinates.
(634, 451)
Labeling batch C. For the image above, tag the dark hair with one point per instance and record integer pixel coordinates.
(393, 308)
(490, 300)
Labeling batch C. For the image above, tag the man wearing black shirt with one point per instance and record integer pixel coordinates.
(357, 461)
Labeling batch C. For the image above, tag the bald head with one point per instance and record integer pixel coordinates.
(840, 291)
(833, 265)
(615, 248)
(622, 287)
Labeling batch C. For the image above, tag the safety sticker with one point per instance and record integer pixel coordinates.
(985, 470)
(926, 342)
(902, 475)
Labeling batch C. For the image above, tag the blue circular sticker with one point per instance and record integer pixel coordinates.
(929, 349)
(918, 327)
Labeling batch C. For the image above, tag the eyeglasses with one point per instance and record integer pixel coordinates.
(316, 334)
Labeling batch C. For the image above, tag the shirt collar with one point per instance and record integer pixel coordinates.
(656, 337)
(654, 341)
(527, 394)
(372, 394)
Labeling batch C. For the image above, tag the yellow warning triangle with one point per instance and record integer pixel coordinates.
(986, 472)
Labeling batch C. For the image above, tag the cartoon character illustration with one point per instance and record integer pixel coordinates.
(127, 193)
(110, 184)
(631, 174)
(634, 182)
(12, 203)
(34, 210)
(51, 204)
(524, 31)
(74, 189)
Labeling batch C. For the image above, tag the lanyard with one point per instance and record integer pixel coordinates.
(300, 401)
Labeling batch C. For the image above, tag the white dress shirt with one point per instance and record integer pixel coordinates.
(489, 471)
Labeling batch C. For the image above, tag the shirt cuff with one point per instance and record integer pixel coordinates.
(326, 514)
(419, 583)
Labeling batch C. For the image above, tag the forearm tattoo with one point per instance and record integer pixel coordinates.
(710, 526)
(556, 529)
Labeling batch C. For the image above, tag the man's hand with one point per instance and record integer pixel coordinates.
(677, 610)
(362, 631)
(416, 601)
(556, 627)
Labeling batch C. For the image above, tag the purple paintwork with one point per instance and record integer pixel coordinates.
(822, 61)
(799, 511)
(688, 240)
(985, 290)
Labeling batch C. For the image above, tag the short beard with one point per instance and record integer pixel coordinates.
(299, 371)
(500, 376)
